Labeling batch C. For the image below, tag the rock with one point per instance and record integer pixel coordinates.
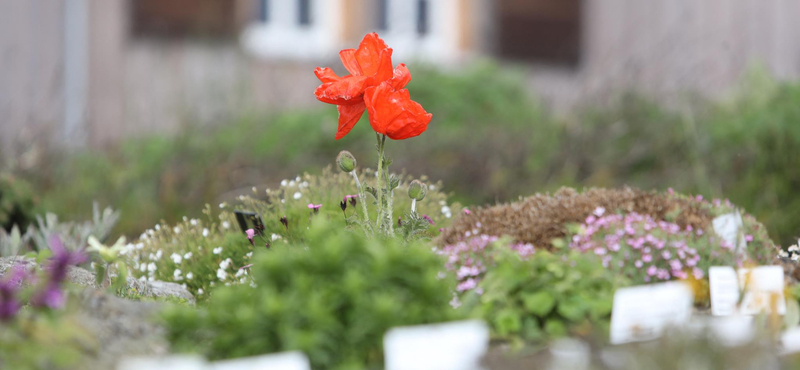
(121, 328)
(81, 276)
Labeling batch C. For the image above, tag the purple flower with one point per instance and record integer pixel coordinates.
(748, 238)
(9, 304)
(250, 235)
(57, 267)
(426, 218)
(652, 270)
(466, 211)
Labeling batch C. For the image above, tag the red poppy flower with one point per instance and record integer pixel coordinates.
(369, 65)
(393, 113)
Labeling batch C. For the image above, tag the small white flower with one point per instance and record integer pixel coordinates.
(222, 205)
(205, 232)
(159, 254)
(226, 224)
(304, 184)
(139, 246)
(193, 222)
(151, 232)
(225, 263)
(221, 274)
(177, 275)
(291, 184)
(275, 237)
(150, 278)
(92, 265)
(151, 267)
(217, 250)
(143, 267)
(187, 255)
(445, 209)
(200, 291)
(143, 236)
(249, 254)
(431, 187)
(176, 230)
(255, 190)
(284, 182)
(183, 285)
(176, 258)
(189, 276)
(211, 283)
(185, 218)
(239, 273)
(253, 283)
(283, 201)
(142, 278)
(158, 227)
(297, 195)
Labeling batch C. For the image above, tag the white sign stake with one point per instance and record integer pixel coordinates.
(643, 312)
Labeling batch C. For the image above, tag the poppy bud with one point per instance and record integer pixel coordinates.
(417, 190)
(346, 161)
(343, 204)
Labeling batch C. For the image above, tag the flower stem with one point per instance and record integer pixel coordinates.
(379, 188)
(363, 195)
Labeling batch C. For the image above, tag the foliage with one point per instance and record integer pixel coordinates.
(44, 342)
(332, 297)
(16, 202)
(545, 297)
(201, 253)
(470, 259)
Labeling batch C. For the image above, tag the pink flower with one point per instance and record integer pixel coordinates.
(466, 211)
(647, 258)
(250, 233)
(638, 264)
(748, 238)
(666, 255)
(314, 207)
(599, 211)
(652, 270)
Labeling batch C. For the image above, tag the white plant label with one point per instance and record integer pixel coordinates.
(790, 341)
(450, 346)
(760, 285)
(278, 361)
(643, 312)
(723, 284)
(729, 228)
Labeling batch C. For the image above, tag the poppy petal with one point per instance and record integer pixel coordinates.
(374, 57)
(326, 75)
(348, 117)
(393, 113)
(401, 77)
(348, 57)
(348, 90)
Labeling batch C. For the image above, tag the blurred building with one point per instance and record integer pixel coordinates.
(89, 72)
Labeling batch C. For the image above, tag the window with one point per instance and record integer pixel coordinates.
(263, 11)
(304, 12)
(422, 17)
(181, 18)
(546, 31)
(383, 15)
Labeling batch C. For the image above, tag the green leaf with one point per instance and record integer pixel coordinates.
(100, 273)
(539, 303)
(507, 321)
(555, 328)
(531, 330)
(572, 309)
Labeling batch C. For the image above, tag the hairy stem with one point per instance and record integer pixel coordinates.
(363, 195)
(379, 188)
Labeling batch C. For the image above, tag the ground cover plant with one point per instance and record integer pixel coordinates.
(201, 253)
(332, 296)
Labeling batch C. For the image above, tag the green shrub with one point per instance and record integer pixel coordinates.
(16, 202)
(545, 296)
(44, 342)
(332, 297)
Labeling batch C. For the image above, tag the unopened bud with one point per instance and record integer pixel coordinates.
(346, 161)
(417, 190)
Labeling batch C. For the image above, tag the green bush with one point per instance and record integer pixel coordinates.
(16, 203)
(545, 296)
(332, 297)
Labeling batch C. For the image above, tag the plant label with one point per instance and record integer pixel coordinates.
(762, 288)
(278, 361)
(643, 312)
(174, 362)
(729, 227)
(450, 346)
(790, 341)
(723, 283)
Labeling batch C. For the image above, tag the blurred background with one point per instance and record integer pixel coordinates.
(157, 107)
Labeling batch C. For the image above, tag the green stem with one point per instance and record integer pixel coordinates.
(379, 188)
(362, 194)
